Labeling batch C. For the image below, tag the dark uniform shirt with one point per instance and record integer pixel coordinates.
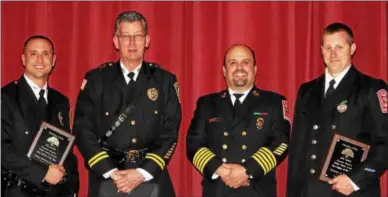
(20, 124)
(153, 123)
(257, 139)
(357, 109)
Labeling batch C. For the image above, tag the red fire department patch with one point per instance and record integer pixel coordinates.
(286, 113)
(383, 99)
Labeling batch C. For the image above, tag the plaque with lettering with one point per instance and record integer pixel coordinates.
(344, 154)
(51, 145)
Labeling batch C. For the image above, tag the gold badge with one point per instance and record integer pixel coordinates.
(255, 93)
(152, 94)
(60, 118)
(259, 123)
(342, 107)
(176, 86)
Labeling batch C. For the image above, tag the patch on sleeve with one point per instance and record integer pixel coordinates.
(176, 86)
(383, 99)
(84, 82)
(286, 113)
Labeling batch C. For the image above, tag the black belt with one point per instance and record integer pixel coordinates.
(14, 180)
(131, 156)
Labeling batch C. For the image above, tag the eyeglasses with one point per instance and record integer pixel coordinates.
(136, 38)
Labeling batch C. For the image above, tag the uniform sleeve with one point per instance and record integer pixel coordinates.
(203, 159)
(10, 158)
(376, 121)
(268, 157)
(85, 125)
(163, 146)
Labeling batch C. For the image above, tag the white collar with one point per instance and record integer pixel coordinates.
(338, 79)
(35, 88)
(126, 72)
(242, 98)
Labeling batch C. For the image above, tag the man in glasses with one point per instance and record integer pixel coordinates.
(127, 118)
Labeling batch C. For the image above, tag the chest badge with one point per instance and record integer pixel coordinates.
(60, 118)
(342, 107)
(152, 94)
(259, 123)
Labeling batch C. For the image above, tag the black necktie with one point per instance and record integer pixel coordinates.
(330, 90)
(131, 87)
(132, 80)
(42, 107)
(42, 100)
(237, 105)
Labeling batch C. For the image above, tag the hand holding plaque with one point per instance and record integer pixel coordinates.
(51, 145)
(344, 154)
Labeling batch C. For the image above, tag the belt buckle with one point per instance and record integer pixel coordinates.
(133, 155)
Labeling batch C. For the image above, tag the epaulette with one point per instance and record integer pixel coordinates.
(107, 64)
(151, 64)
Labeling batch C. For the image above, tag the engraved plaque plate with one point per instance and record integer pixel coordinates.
(51, 145)
(344, 154)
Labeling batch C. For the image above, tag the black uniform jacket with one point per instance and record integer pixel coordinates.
(357, 109)
(152, 124)
(19, 127)
(257, 140)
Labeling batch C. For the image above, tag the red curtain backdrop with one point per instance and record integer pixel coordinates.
(190, 39)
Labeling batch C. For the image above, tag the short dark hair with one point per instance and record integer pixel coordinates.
(131, 16)
(243, 45)
(34, 37)
(339, 27)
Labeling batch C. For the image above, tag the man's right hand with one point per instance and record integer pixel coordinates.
(54, 174)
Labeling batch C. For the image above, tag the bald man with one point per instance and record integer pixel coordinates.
(238, 136)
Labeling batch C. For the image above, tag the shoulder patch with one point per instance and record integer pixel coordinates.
(176, 86)
(383, 99)
(84, 82)
(286, 113)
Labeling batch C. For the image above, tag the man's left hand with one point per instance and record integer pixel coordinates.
(130, 180)
(342, 185)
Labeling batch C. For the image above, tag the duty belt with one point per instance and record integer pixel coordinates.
(131, 156)
(12, 179)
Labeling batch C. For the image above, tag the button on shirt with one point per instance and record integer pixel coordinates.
(36, 89)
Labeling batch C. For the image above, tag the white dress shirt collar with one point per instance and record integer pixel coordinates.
(338, 79)
(242, 98)
(35, 88)
(126, 72)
